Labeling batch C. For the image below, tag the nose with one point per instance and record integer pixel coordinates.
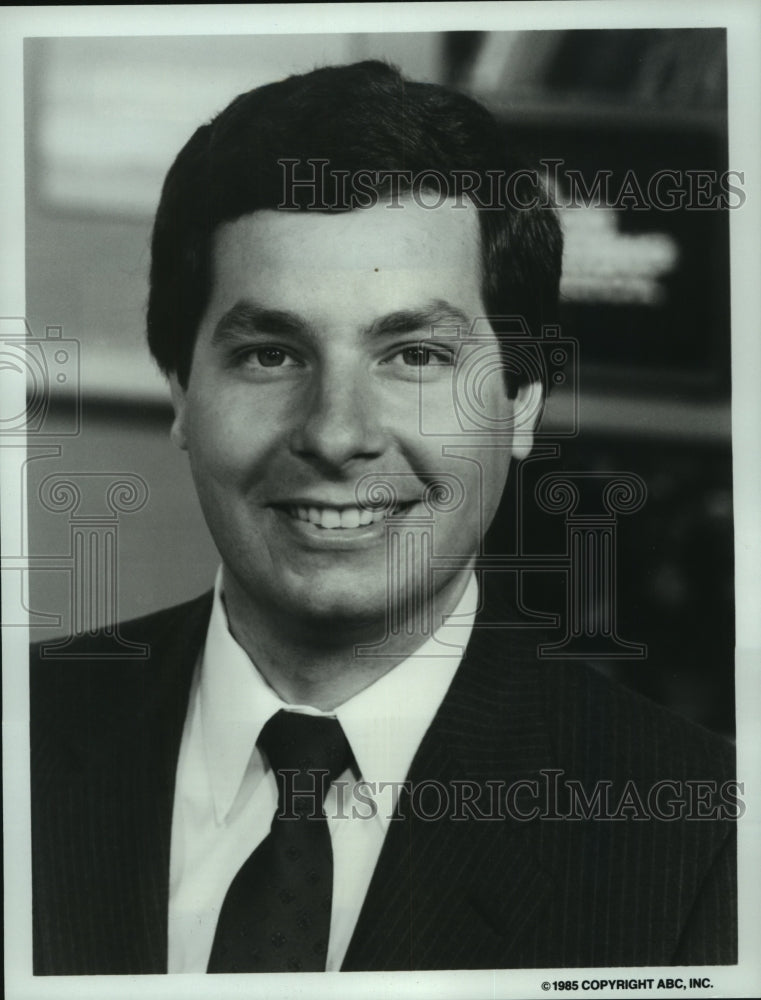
(340, 420)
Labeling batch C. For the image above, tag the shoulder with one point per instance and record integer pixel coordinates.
(103, 679)
(599, 791)
(569, 713)
(122, 639)
(599, 723)
(646, 787)
(138, 640)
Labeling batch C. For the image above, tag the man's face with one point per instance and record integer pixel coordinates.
(309, 375)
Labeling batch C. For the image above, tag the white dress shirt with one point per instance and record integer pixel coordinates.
(225, 798)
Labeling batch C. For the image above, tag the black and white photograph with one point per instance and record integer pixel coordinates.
(380, 500)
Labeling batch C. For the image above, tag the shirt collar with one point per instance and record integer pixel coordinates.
(384, 724)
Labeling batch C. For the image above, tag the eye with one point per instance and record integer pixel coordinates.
(266, 356)
(270, 357)
(419, 356)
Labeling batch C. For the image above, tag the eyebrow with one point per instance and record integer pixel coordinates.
(248, 315)
(437, 311)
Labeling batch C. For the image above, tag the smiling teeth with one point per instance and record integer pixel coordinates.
(333, 517)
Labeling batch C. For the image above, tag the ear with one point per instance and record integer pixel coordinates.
(179, 399)
(527, 411)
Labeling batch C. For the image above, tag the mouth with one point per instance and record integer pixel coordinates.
(343, 518)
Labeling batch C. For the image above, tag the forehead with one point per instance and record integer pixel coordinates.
(404, 252)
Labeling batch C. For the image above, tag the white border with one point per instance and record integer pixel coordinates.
(743, 21)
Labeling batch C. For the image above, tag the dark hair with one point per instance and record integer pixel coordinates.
(363, 117)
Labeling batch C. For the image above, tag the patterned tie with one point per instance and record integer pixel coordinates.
(276, 914)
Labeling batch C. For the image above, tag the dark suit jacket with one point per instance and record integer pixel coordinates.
(446, 894)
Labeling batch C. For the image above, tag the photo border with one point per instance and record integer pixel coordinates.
(743, 22)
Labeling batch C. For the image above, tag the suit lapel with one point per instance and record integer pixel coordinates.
(158, 734)
(466, 892)
(445, 893)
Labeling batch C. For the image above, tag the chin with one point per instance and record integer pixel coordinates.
(320, 604)
(349, 611)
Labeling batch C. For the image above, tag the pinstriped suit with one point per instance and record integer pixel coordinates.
(500, 892)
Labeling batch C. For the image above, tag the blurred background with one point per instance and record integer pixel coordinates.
(645, 293)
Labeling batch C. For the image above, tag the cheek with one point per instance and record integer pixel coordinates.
(212, 445)
(494, 464)
(495, 487)
(224, 437)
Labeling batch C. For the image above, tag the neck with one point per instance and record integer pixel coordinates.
(316, 662)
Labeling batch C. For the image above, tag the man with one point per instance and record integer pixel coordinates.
(323, 255)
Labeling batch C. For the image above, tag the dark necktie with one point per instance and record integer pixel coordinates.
(276, 914)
